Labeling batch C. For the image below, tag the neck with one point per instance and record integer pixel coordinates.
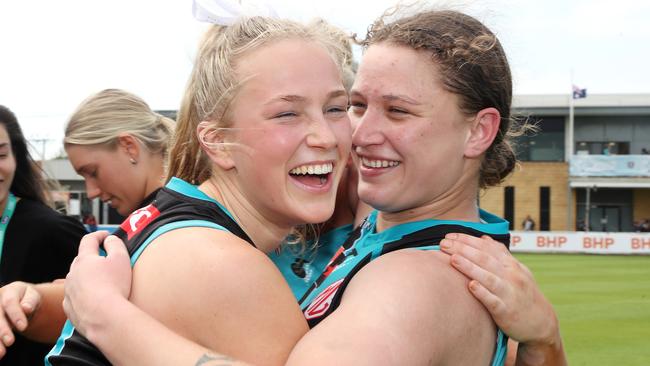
(459, 203)
(266, 234)
(155, 175)
(3, 204)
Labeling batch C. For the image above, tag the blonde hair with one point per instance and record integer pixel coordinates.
(213, 83)
(102, 117)
(345, 55)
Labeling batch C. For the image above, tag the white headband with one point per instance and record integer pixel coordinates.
(226, 12)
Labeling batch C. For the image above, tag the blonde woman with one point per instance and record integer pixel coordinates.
(118, 145)
(259, 148)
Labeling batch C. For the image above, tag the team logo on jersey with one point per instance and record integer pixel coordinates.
(139, 219)
(322, 302)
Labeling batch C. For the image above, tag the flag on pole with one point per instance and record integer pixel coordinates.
(579, 93)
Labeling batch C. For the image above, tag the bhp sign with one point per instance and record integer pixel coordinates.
(640, 243)
(580, 242)
(544, 241)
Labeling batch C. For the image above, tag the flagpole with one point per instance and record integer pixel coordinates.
(571, 118)
(569, 155)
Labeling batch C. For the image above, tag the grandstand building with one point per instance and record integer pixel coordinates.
(591, 174)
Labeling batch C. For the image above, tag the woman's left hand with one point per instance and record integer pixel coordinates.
(94, 281)
(505, 287)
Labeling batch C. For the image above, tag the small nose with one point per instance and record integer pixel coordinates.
(367, 129)
(322, 134)
(92, 190)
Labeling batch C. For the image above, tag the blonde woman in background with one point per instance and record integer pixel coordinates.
(118, 145)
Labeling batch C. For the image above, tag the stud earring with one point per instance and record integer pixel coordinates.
(132, 161)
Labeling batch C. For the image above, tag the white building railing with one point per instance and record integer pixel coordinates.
(609, 166)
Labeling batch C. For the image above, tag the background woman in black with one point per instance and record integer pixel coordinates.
(37, 243)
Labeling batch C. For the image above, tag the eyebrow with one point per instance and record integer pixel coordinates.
(82, 169)
(4, 144)
(337, 93)
(300, 98)
(390, 97)
(403, 98)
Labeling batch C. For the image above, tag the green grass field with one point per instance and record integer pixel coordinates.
(603, 303)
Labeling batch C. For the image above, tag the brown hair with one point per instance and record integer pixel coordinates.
(471, 64)
(28, 179)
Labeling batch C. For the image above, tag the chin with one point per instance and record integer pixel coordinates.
(124, 211)
(316, 214)
(374, 198)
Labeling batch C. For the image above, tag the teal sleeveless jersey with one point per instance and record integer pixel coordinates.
(366, 244)
(301, 268)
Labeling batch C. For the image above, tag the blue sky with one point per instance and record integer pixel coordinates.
(55, 53)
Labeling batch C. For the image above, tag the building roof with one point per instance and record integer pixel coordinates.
(60, 169)
(596, 104)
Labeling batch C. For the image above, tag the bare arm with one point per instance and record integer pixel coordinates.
(508, 291)
(160, 346)
(48, 318)
(33, 310)
(401, 309)
(211, 295)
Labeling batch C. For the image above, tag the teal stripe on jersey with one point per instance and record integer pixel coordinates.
(173, 226)
(67, 331)
(501, 350)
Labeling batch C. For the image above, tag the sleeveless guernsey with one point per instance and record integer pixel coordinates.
(178, 205)
(365, 245)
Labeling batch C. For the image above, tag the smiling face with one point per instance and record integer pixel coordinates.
(108, 175)
(291, 131)
(410, 135)
(7, 165)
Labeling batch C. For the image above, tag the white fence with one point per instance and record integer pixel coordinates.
(579, 242)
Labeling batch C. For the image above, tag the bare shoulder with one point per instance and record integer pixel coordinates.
(216, 289)
(408, 307)
(196, 258)
(405, 270)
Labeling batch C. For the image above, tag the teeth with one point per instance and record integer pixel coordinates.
(379, 163)
(317, 169)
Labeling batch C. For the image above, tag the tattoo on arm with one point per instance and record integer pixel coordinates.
(207, 360)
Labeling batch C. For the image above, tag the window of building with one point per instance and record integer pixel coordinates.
(545, 145)
(602, 148)
(544, 208)
(509, 205)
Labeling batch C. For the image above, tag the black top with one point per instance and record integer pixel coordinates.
(170, 206)
(354, 255)
(39, 246)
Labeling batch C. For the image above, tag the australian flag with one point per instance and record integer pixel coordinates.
(579, 93)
